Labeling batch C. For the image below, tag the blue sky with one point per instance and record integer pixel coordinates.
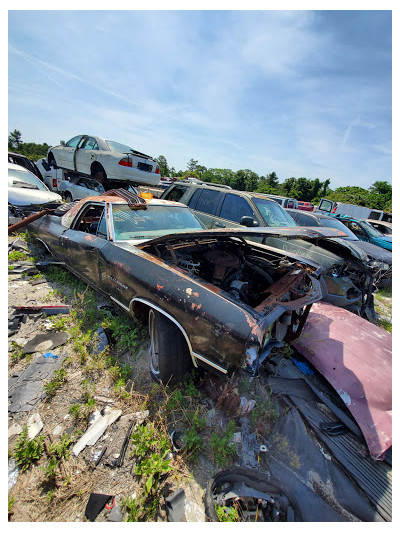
(301, 93)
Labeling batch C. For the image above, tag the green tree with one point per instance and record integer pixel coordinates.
(162, 163)
(14, 140)
(192, 165)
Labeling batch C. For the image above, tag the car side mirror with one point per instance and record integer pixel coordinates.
(249, 222)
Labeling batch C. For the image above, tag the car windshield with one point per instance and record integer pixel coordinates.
(370, 229)
(118, 147)
(334, 223)
(273, 214)
(25, 180)
(155, 221)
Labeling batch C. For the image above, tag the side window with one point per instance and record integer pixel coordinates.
(304, 220)
(208, 201)
(234, 208)
(193, 200)
(74, 141)
(88, 221)
(90, 144)
(81, 182)
(176, 194)
(102, 227)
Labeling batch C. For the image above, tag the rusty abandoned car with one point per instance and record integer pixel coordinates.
(212, 298)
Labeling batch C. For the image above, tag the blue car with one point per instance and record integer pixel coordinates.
(365, 231)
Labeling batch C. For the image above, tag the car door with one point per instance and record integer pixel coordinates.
(233, 209)
(81, 245)
(86, 154)
(64, 155)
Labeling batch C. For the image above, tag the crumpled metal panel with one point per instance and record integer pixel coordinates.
(355, 356)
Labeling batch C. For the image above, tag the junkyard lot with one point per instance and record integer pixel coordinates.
(87, 379)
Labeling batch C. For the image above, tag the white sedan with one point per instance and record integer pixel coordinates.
(108, 162)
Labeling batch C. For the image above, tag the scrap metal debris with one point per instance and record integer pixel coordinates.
(46, 341)
(26, 389)
(96, 430)
(175, 505)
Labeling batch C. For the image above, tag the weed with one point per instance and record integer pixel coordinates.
(227, 514)
(75, 411)
(385, 324)
(133, 508)
(11, 502)
(123, 329)
(18, 255)
(59, 377)
(222, 446)
(28, 451)
(58, 450)
(17, 354)
(50, 495)
(281, 444)
(151, 447)
(175, 401)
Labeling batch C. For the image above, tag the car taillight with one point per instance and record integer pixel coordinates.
(126, 162)
(157, 169)
(54, 182)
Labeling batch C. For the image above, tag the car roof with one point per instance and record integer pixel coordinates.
(229, 190)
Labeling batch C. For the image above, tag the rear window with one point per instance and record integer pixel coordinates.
(273, 214)
(176, 193)
(24, 179)
(304, 220)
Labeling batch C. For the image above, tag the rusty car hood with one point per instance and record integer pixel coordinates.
(286, 232)
(355, 357)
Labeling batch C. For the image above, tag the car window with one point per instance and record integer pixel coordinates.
(154, 221)
(355, 228)
(336, 224)
(366, 226)
(88, 220)
(90, 144)
(25, 180)
(273, 214)
(118, 147)
(304, 220)
(235, 207)
(102, 226)
(176, 193)
(74, 141)
(208, 201)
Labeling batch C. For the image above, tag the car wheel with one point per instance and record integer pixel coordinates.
(384, 283)
(68, 197)
(169, 353)
(98, 173)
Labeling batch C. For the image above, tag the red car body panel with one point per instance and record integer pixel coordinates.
(305, 206)
(355, 356)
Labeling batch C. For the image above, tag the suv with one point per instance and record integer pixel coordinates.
(346, 278)
(377, 253)
(221, 207)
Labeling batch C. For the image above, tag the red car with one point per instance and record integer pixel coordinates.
(305, 206)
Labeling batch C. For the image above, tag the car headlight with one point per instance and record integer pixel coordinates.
(379, 265)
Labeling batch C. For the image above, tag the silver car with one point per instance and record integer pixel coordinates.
(27, 194)
(104, 160)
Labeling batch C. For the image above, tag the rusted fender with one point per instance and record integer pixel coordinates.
(28, 220)
(355, 356)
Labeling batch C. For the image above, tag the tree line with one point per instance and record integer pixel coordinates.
(378, 196)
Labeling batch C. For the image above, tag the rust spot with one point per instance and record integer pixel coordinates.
(196, 294)
(159, 287)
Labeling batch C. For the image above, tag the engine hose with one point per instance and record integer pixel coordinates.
(259, 271)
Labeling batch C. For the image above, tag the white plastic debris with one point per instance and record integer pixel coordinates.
(35, 425)
(96, 430)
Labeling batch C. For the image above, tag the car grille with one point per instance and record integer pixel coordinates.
(145, 167)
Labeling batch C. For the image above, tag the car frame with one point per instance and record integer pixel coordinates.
(107, 161)
(196, 316)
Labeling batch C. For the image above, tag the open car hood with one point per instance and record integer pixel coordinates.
(285, 232)
(355, 357)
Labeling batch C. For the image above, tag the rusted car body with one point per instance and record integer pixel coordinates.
(228, 301)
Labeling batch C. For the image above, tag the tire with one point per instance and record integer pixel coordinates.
(169, 354)
(98, 173)
(384, 284)
(68, 197)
